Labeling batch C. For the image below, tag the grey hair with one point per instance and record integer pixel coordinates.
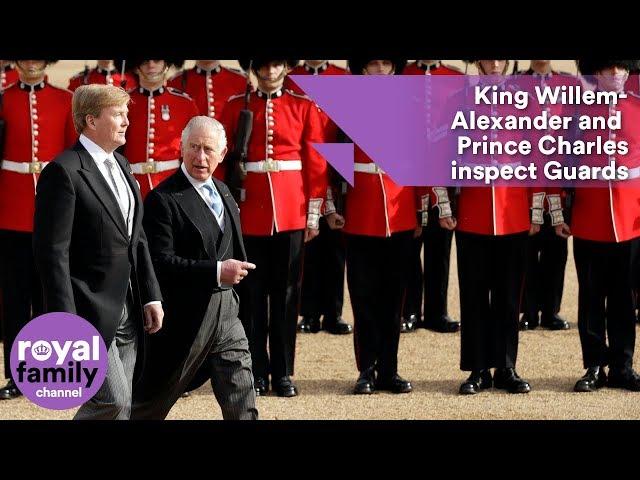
(205, 123)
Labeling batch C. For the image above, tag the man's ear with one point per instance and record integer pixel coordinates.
(91, 121)
(224, 152)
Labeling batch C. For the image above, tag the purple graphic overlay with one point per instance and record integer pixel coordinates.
(457, 130)
(341, 155)
(59, 360)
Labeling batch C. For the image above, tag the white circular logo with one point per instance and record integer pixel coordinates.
(41, 350)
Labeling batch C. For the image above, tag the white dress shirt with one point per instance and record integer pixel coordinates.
(198, 185)
(126, 202)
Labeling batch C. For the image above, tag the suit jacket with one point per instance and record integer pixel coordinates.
(181, 231)
(81, 245)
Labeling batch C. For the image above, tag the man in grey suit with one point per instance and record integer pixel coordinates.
(193, 227)
(90, 247)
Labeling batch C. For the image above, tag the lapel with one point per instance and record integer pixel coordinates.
(135, 189)
(196, 211)
(94, 178)
(231, 206)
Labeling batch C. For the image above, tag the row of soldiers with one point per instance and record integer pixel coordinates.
(287, 193)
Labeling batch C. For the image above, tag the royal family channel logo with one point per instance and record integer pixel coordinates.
(59, 361)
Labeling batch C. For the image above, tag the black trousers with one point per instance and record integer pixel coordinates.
(434, 282)
(546, 262)
(376, 278)
(269, 298)
(323, 274)
(605, 301)
(491, 276)
(21, 287)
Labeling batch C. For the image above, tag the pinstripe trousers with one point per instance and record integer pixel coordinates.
(221, 352)
(113, 400)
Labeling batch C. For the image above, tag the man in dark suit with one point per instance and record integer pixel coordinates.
(195, 239)
(90, 248)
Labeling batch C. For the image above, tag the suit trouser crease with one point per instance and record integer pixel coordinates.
(113, 400)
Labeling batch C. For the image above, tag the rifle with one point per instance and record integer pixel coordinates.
(236, 171)
(339, 185)
(123, 77)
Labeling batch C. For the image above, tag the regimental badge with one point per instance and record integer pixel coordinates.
(165, 113)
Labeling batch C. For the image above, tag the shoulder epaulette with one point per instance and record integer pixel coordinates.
(179, 93)
(235, 97)
(299, 95)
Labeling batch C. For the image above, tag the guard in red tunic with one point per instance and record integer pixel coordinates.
(605, 224)
(38, 126)
(285, 190)
(546, 252)
(106, 72)
(492, 225)
(157, 116)
(434, 283)
(313, 67)
(8, 75)
(322, 292)
(380, 222)
(210, 85)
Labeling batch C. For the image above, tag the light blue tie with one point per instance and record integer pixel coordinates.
(216, 202)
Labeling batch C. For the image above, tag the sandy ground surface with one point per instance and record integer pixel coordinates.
(326, 371)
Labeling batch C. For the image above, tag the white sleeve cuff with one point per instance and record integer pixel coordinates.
(219, 270)
(155, 302)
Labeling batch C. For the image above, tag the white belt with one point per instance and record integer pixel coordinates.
(367, 168)
(634, 173)
(154, 166)
(264, 166)
(23, 167)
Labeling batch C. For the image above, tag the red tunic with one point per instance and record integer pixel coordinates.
(39, 126)
(102, 76)
(285, 125)
(376, 206)
(8, 76)
(156, 122)
(612, 213)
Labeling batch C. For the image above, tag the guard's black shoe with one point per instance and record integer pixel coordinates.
(444, 324)
(395, 384)
(309, 325)
(554, 323)
(410, 323)
(507, 379)
(10, 391)
(261, 386)
(284, 387)
(629, 380)
(591, 381)
(478, 380)
(336, 326)
(528, 323)
(365, 385)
